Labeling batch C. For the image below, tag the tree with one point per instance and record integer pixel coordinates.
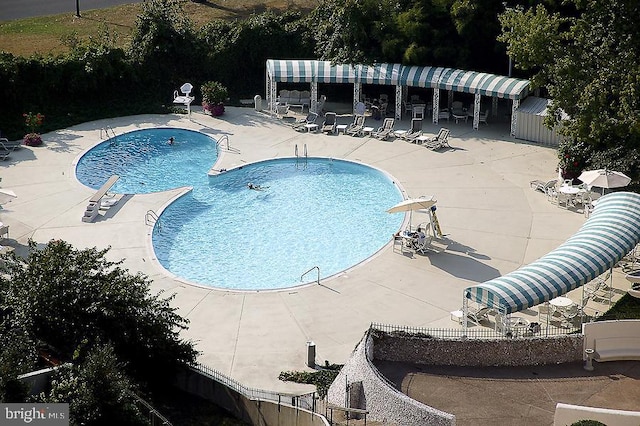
(163, 40)
(69, 298)
(236, 52)
(588, 61)
(96, 389)
(17, 356)
(353, 31)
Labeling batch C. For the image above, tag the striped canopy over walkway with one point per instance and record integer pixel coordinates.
(400, 76)
(309, 71)
(612, 231)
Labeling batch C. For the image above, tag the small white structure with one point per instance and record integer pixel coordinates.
(185, 98)
(530, 118)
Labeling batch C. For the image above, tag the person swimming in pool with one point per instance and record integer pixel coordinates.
(256, 187)
(171, 140)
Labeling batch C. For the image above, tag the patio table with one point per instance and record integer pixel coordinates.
(561, 302)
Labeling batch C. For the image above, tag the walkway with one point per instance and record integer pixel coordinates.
(495, 221)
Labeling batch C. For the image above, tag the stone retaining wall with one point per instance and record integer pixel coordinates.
(387, 404)
(383, 401)
(417, 349)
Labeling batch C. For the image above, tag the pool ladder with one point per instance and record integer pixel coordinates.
(224, 138)
(301, 162)
(107, 132)
(317, 268)
(151, 218)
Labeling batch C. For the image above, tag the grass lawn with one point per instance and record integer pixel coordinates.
(44, 35)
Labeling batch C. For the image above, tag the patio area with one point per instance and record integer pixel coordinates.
(493, 221)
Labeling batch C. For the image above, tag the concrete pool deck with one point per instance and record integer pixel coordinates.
(495, 223)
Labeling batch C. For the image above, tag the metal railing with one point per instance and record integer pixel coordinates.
(315, 267)
(474, 333)
(305, 401)
(224, 138)
(151, 218)
(301, 161)
(155, 418)
(107, 132)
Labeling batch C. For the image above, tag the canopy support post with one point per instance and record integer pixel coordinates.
(398, 109)
(514, 116)
(314, 98)
(357, 90)
(465, 312)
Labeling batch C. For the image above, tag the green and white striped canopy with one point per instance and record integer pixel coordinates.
(421, 76)
(328, 73)
(612, 231)
(382, 74)
(307, 71)
(292, 71)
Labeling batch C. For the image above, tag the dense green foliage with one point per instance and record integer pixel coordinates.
(96, 79)
(76, 306)
(96, 389)
(321, 378)
(589, 62)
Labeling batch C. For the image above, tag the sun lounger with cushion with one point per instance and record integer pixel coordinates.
(356, 128)
(301, 125)
(10, 145)
(414, 132)
(385, 130)
(540, 185)
(441, 140)
(330, 123)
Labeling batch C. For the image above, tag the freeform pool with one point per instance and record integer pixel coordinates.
(324, 213)
(146, 162)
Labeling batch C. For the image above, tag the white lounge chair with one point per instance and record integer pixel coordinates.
(441, 140)
(10, 145)
(478, 316)
(356, 128)
(385, 130)
(301, 125)
(540, 185)
(330, 123)
(415, 131)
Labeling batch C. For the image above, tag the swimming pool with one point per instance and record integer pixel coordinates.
(322, 213)
(146, 162)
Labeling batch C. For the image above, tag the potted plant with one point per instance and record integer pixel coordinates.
(571, 161)
(33, 121)
(213, 96)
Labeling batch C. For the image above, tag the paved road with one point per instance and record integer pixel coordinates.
(18, 9)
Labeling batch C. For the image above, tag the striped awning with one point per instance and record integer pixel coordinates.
(383, 74)
(421, 76)
(307, 71)
(338, 73)
(612, 231)
(292, 71)
(504, 87)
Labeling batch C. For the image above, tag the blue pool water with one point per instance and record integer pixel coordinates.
(327, 213)
(146, 162)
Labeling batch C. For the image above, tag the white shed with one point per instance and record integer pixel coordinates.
(530, 122)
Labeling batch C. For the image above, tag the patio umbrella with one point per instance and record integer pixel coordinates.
(6, 195)
(411, 204)
(603, 178)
